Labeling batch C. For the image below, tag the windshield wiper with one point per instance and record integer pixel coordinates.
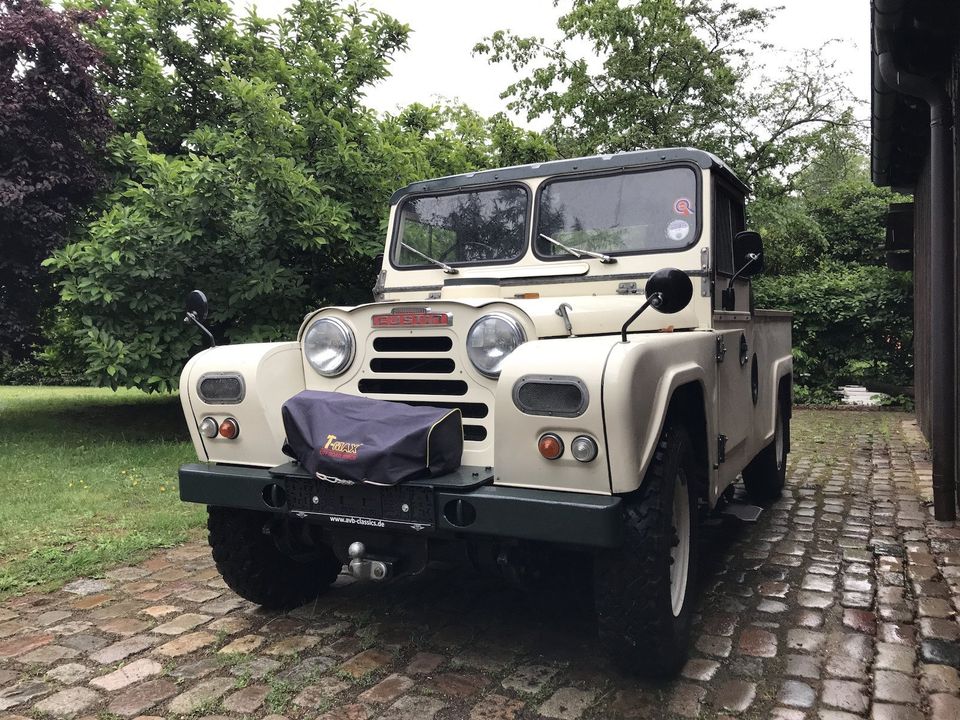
(438, 263)
(578, 252)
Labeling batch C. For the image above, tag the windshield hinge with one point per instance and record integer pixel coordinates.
(705, 269)
(379, 286)
(627, 288)
(564, 312)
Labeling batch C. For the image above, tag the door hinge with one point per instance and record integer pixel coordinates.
(721, 448)
(721, 348)
(627, 288)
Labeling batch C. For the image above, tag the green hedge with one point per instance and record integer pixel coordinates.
(852, 324)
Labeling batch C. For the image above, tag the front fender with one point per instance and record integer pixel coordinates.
(640, 380)
(517, 461)
(272, 373)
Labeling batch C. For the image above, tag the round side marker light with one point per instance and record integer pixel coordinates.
(209, 427)
(550, 446)
(584, 448)
(229, 429)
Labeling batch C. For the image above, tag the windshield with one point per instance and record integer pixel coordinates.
(635, 212)
(468, 227)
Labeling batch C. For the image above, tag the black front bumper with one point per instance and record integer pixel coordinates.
(457, 504)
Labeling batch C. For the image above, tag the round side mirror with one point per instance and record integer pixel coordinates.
(197, 304)
(674, 287)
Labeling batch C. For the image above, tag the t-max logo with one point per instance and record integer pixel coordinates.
(340, 450)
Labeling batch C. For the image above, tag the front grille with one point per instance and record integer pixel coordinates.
(384, 386)
(421, 370)
(418, 344)
(412, 365)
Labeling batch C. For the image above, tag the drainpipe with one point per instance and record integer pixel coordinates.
(942, 375)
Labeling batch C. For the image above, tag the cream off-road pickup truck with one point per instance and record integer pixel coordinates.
(506, 395)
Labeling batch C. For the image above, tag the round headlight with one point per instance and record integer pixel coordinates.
(491, 339)
(329, 347)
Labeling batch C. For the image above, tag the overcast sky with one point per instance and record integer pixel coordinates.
(439, 61)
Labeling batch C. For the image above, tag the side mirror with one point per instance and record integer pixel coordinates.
(197, 305)
(197, 309)
(674, 288)
(668, 291)
(748, 253)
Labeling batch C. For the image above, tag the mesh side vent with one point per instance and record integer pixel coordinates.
(562, 397)
(221, 389)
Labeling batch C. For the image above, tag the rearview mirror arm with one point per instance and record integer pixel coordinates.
(751, 259)
(192, 317)
(653, 300)
(728, 298)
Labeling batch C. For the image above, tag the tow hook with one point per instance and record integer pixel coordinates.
(367, 568)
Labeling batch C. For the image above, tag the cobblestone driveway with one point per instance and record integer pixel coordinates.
(840, 603)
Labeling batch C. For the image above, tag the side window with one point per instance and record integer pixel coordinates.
(738, 217)
(723, 222)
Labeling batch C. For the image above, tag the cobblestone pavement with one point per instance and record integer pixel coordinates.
(840, 603)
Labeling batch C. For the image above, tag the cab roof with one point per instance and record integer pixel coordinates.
(594, 163)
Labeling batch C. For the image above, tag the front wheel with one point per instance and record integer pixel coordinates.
(247, 549)
(643, 591)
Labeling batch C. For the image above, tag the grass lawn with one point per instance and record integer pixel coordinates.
(88, 479)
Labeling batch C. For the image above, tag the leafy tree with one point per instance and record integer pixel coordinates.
(270, 193)
(53, 124)
(670, 72)
(454, 139)
(793, 240)
(853, 218)
(852, 323)
(830, 211)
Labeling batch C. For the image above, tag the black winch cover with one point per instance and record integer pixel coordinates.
(357, 439)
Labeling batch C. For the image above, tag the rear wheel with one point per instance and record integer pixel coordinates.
(643, 590)
(766, 474)
(247, 550)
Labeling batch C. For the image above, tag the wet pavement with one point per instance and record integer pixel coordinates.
(841, 602)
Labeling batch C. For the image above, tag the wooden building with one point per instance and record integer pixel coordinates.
(916, 149)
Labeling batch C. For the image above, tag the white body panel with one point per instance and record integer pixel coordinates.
(630, 385)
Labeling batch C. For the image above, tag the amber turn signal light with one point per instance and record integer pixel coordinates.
(229, 429)
(550, 446)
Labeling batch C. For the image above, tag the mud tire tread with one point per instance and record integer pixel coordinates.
(632, 586)
(254, 567)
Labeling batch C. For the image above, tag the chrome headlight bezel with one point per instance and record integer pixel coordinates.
(344, 357)
(492, 370)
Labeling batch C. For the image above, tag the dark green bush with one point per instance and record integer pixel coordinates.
(852, 324)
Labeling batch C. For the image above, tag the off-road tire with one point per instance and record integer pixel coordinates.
(766, 474)
(254, 567)
(632, 591)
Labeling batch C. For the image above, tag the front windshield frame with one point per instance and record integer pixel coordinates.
(698, 210)
(395, 247)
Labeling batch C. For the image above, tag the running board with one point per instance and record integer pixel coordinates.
(742, 512)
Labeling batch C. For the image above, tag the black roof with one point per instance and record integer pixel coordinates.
(615, 161)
